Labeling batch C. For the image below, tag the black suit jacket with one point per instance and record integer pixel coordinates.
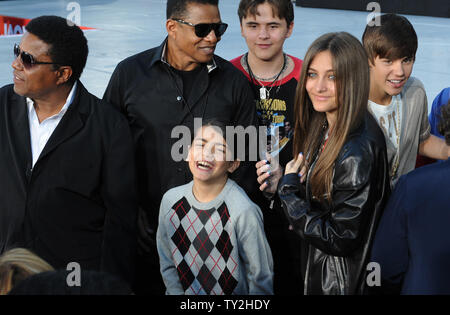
(78, 203)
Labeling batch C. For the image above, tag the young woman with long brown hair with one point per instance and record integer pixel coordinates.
(341, 154)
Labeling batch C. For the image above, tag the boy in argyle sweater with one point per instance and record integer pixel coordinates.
(211, 237)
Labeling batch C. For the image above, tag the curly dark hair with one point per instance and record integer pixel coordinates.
(444, 122)
(67, 43)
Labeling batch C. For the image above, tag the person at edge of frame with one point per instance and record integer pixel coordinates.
(411, 244)
(66, 159)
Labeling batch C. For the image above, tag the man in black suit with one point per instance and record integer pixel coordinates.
(67, 172)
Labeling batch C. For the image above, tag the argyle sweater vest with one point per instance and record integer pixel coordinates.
(214, 248)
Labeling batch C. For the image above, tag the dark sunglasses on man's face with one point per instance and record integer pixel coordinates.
(28, 60)
(203, 29)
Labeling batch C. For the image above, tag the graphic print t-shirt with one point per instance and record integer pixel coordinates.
(277, 111)
(389, 119)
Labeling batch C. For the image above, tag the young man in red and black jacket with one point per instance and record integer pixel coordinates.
(273, 76)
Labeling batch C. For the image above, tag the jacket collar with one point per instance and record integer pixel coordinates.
(69, 100)
(72, 121)
(17, 123)
(160, 56)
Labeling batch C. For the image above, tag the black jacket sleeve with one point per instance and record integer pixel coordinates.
(334, 228)
(245, 116)
(114, 93)
(119, 195)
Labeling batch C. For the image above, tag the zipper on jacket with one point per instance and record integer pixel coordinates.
(340, 275)
(305, 288)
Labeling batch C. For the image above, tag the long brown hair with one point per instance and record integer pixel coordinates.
(351, 69)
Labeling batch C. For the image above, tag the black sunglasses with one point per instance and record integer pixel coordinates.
(203, 29)
(28, 60)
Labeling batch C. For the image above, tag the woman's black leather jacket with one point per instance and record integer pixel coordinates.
(338, 235)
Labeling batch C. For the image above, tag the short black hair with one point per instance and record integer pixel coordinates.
(67, 43)
(177, 8)
(221, 126)
(394, 38)
(55, 283)
(284, 9)
(444, 122)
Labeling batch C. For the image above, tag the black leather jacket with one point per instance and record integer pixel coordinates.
(337, 237)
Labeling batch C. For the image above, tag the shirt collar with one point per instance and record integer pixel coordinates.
(161, 56)
(69, 100)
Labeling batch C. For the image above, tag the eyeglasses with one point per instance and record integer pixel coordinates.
(203, 29)
(28, 60)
